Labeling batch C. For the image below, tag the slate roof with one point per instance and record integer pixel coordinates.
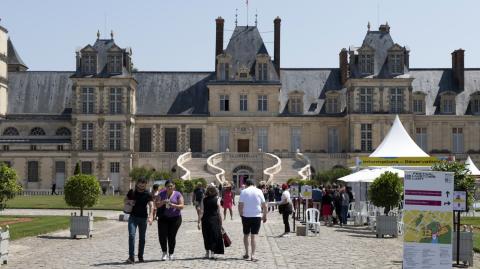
(244, 46)
(13, 56)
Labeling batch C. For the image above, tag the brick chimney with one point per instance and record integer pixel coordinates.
(276, 44)
(343, 59)
(219, 39)
(458, 68)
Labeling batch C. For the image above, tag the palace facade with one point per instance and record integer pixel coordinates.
(110, 118)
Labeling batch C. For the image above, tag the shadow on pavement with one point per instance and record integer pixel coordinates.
(54, 237)
(122, 263)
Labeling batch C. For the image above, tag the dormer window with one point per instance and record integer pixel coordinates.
(366, 63)
(396, 64)
(447, 105)
(224, 71)
(332, 104)
(295, 104)
(243, 73)
(89, 63)
(114, 63)
(419, 104)
(262, 71)
(475, 103)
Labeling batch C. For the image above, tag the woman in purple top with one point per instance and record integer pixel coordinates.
(169, 203)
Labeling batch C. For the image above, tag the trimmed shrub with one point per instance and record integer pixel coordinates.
(82, 191)
(8, 185)
(386, 191)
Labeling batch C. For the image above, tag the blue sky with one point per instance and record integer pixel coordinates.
(179, 35)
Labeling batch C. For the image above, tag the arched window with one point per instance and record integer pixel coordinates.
(10, 131)
(37, 131)
(63, 131)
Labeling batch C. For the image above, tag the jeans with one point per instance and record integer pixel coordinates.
(133, 222)
(285, 222)
(344, 214)
(167, 232)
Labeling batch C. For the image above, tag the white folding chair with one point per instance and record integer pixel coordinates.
(313, 220)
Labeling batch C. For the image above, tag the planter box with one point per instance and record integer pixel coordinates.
(466, 247)
(81, 225)
(301, 230)
(387, 225)
(4, 239)
(187, 198)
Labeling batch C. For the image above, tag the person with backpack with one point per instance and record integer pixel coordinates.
(197, 196)
(139, 216)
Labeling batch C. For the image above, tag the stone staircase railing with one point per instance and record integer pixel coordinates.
(212, 167)
(181, 160)
(305, 171)
(274, 169)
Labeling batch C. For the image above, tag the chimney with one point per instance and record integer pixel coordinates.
(276, 45)
(219, 39)
(407, 57)
(458, 68)
(343, 66)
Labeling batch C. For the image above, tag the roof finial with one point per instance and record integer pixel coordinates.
(368, 26)
(236, 17)
(256, 17)
(386, 23)
(98, 34)
(111, 34)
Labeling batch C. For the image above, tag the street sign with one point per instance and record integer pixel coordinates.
(427, 218)
(460, 201)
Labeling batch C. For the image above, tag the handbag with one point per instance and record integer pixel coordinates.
(226, 239)
(128, 206)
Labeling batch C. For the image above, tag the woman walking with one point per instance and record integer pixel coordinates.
(286, 208)
(211, 223)
(169, 205)
(228, 199)
(327, 206)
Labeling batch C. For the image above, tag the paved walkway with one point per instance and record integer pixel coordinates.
(334, 248)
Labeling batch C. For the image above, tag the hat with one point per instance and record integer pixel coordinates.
(284, 186)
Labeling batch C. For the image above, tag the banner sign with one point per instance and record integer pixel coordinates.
(294, 191)
(460, 201)
(427, 218)
(306, 192)
(397, 161)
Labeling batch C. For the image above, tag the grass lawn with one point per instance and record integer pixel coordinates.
(23, 226)
(475, 221)
(58, 202)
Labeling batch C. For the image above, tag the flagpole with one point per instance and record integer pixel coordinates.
(247, 12)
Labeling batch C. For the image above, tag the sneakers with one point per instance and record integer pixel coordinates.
(246, 257)
(140, 259)
(172, 257)
(164, 256)
(130, 260)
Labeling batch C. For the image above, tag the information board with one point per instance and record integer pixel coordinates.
(459, 201)
(306, 192)
(427, 218)
(294, 191)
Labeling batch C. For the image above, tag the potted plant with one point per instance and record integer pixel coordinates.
(81, 191)
(189, 186)
(386, 192)
(8, 189)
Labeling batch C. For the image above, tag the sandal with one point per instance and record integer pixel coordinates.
(254, 259)
(245, 257)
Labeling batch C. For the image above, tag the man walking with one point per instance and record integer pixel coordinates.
(197, 197)
(253, 210)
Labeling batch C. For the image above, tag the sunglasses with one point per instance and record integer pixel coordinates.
(169, 186)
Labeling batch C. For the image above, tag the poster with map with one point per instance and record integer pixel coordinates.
(427, 218)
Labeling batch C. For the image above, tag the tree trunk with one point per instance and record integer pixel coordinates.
(81, 211)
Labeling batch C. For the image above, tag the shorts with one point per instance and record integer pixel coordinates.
(251, 225)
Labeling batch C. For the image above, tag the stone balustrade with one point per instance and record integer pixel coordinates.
(181, 160)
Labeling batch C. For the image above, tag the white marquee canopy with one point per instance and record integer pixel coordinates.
(471, 167)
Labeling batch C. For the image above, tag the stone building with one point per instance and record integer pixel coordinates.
(253, 117)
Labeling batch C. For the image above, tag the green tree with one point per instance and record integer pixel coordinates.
(8, 185)
(161, 175)
(140, 173)
(189, 186)
(82, 191)
(201, 180)
(332, 175)
(386, 191)
(463, 179)
(77, 169)
(179, 185)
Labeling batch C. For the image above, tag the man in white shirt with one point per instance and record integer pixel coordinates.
(253, 210)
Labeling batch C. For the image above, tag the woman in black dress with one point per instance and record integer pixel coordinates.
(211, 223)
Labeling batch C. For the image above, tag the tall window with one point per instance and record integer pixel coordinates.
(366, 137)
(87, 100)
(89, 63)
(262, 71)
(224, 139)
(366, 63)
(224, 102)
(332, 105)
(145, 140)
(32, 173)
(366, 100)
(476, 106)
(296, 105)
(87, 136)
(396, 100)
(170, 139)
(418, 106)
(115, 134)
(296, 139)
(115, 100)
(333, 140)
(448, 104)
(114, 167)
(421, 138)
(395, 63)
(115, 63)
(457, 143)
(224, 71)
(263, 139)
(87, 168)
(262, 103)
(243, 102)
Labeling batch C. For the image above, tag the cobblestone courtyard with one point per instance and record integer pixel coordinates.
(335, 247)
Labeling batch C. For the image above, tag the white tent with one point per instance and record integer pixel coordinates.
(369, 175)
(471, 167)
(398, 143)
